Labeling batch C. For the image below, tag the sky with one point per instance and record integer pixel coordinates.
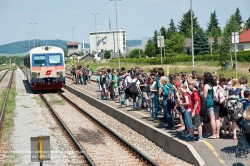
(138, 17)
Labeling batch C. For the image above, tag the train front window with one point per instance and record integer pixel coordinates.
(55, 59)
(40, 60)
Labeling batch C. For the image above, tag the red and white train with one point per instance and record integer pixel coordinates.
(44, 68)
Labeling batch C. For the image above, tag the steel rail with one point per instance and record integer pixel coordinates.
(134, 149)
(7, 95)
(82, 151)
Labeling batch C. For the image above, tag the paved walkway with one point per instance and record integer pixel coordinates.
(214, 152)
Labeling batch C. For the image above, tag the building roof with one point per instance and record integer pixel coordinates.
(245, 37)
(72, 43)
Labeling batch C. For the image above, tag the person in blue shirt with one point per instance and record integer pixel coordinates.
(165, 88)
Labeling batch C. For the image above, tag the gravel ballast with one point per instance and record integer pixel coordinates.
(139, 141)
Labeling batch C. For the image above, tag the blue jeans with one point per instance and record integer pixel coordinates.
(139, 95)
(153, 112)
(156, 105)
(168, 114)
(85, 80)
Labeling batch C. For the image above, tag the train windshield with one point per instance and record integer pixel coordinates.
(55, 59)
(40, 60)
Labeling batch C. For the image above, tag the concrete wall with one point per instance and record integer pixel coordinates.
(164, 140)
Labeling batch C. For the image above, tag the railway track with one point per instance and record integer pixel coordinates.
(96, 142)
(6, 96)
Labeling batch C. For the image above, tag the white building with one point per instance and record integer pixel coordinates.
(107, 40)
(144, 41)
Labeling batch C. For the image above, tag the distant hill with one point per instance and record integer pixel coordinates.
(23, 46)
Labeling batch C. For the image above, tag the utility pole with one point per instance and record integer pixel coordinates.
(117, 35)
(73, 44)
(96, 38)
(33, 23)
(113, 33)
(192, 35)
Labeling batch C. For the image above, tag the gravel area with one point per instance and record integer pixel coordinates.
(140, 142)
(102, 148)
(32, 120)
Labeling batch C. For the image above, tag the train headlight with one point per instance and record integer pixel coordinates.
(34, 75)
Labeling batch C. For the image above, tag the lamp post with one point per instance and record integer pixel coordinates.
(164, 50)
(29, 38)
(192, 35)
(72, 28)
(212, 41)
(117, 34)
(33, 23)
(96, 38)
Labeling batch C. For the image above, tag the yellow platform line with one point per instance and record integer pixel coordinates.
(214, 151)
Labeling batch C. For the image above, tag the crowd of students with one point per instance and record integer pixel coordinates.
(202, 101)
(81, 75)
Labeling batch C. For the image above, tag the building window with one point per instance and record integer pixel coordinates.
(240, 47)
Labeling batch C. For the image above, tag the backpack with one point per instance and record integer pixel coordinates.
(203, 111)
(235, 110)
(121, 84)
(108, 79)
(218, 95)
(247, 88)
(234, 106)
(133, 88)
(171, 95)
(85, 72)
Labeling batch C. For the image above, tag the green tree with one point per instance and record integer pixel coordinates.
(201, 46)
(231, 26)
(107, 54)
(65, 52)
(163, 32)
(172, 27)
(150, 49)
(136, 53)
(213, 25)
(185, 24)
(238, 17)
(248, 23)
(175, 44)
(156, 35)
(224, 51)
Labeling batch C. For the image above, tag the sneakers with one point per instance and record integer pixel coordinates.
(200, 139)
(188, 138)
(206, 135)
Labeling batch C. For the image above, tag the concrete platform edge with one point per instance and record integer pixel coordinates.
(164, 140)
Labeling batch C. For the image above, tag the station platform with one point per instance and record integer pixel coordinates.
(209, 152)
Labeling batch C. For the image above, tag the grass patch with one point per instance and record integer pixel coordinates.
(39, 101)
(55, 101)
(8, 121)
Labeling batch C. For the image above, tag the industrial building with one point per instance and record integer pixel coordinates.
(107, 40)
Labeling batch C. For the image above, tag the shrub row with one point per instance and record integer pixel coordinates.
(242, 56)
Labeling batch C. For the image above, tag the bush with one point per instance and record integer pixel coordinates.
(242, 56)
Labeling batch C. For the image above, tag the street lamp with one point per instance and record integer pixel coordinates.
(117, 34)
(192, 35)
(73, 44)
(96, 37)
(29, 38)
(212, 41)
(33, 23)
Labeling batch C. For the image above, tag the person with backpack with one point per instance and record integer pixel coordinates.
(209, 95)
(136, 92)
(168, 95)
(186, 103)
(152, 96)
(234, 93)
(109, 84)
(195, 112)
(73, 73)
(127, 83)
(115, 84)
(121, 88)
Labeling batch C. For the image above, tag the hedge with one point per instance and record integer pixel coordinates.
(242, 56)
